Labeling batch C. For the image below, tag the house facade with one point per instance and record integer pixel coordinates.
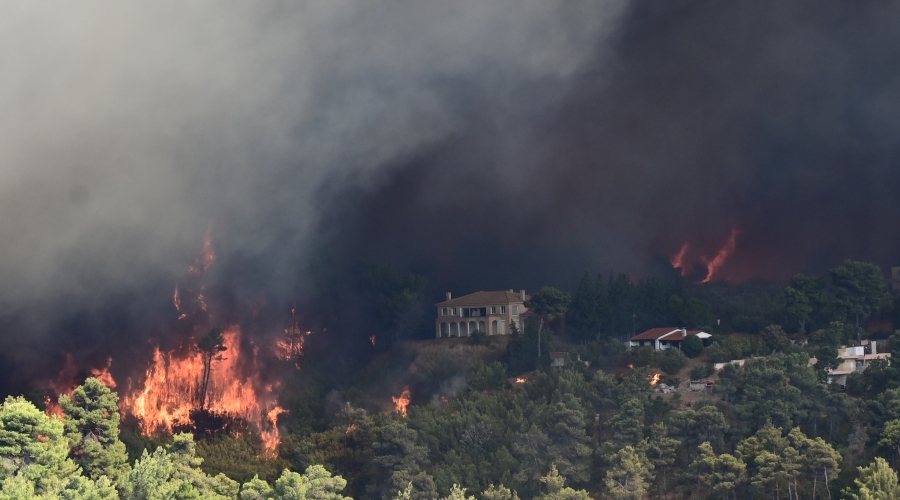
(664, 338)
(492, 312)
(855, 359)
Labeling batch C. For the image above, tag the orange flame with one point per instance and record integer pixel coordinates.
(720, 258)
(677, 260)
(372, 339)
(171, 385)
(290, 345)
(351, 428)
(631, 366)
(654, 379)
(103, 375)
(52, 408)
(520, 380)
(400, 403)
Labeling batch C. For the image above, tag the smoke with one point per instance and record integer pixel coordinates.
(776, 120)
(130, 130)
(485, 144)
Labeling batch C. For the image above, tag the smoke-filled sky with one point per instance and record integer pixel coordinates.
(486, 144)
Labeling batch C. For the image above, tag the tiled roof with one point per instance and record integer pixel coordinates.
(485, 298)
(655, 333)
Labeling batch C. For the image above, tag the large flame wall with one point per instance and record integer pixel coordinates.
(171, 385)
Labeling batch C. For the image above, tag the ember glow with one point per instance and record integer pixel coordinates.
(720, 258)
(401, 402)
(170, 391)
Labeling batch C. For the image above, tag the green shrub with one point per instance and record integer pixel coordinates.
(672, 361)
(692, 346)
(701, 371)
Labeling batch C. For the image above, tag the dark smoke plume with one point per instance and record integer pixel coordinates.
(484, 144)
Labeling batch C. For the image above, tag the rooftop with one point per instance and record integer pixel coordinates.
(485, 298)
(676, 334)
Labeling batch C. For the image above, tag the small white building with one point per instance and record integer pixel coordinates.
(664, 338)
(855, 359)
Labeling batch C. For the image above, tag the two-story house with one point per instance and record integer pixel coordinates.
(490, 312)
(855, 359)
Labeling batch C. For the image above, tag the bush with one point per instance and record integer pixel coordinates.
(642, 356)
(701, 371)
(717, 353)
(672, 361)
(670, 380)
(692, 346)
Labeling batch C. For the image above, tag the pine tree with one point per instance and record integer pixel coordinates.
(91, 418)
(628, 475)
(876, 482)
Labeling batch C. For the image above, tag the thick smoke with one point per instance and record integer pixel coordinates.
(485, 144)
(129, 131)
(776, 119)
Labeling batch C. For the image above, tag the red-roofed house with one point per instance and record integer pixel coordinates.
(489, 312)
(664, 338)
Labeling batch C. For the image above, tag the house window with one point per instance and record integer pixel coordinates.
(453, 311)
(493, 309)
(515, 309)
(443, 311)
(502, 309)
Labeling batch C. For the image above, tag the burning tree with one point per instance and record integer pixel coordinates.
(210, 347)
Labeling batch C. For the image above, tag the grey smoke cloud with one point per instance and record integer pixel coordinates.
(128, 130)
(487, 144)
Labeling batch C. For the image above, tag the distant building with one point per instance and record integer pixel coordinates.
(704, 385)
(664, 338)
(490, 312)
(559, 358)
(855, 359)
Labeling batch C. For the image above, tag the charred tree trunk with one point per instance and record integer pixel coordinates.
(210, 347)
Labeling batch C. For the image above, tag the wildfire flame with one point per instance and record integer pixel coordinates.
(720, 258)
(171, 386)
(372, 339)
(654, 379)
(351, 428)
(52, 408)
(520, 380)
(401, 402)
(103, 375)
(176, 300)
(631, 366)
(678, 259)
(290, 345)
(67, 379)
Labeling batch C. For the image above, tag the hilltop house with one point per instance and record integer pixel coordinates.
(489, 312)
(855, 359)
(664, 338)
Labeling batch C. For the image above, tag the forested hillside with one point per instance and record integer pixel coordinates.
(486, 417)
